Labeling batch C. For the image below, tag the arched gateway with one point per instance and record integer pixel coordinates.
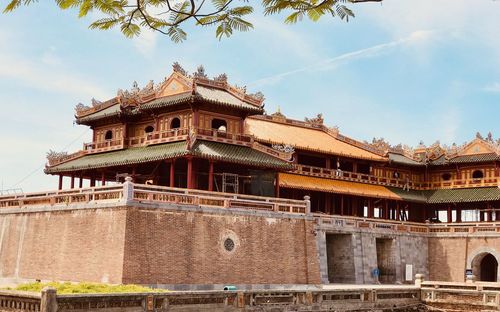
(485, 267)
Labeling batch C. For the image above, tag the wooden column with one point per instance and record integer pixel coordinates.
(328, 203)
(72, 185)
(196, 118)
(328, 163)
(190, 173)
(211, 175)
(103, 179)
(398, 212)
(341, 205)
(92, 181)
(386, 209)
(459, 215)
(60, 182)
(449, 215)
(277, 186)
(370, 208)
(172, 173)
(80, 181)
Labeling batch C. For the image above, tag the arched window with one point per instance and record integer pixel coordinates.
(446, 176)
(219, 124)
(108, 135)
(149, 129)
(175, 123)
(477, 174)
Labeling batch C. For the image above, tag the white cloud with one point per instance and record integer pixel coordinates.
(47, 75)
(146, 42)
(494, 87)
(332, 63)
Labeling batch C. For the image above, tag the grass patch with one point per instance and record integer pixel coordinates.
(85, 288)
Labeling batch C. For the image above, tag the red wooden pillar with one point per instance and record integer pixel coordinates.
(60, 182)
(190, 173)
(398, 213)
(370, 208)
(277, 186)
(210, 175)
(449, 215)
(341, 205)
(92, 182)
(196, 118)
(459, 215)
(103, 179)
(386, 209)
(80, 181)
(172, 173)
(72, 185)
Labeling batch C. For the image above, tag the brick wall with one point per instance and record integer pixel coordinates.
(183, 247)
(450, 256)
(79, 245)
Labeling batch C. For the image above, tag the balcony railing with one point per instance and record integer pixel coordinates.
(128, 192)
(401, 183)
(172, 135)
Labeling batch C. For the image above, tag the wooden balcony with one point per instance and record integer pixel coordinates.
(159, 137)
(371, 179)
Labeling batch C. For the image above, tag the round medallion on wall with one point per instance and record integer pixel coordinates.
(229, 242)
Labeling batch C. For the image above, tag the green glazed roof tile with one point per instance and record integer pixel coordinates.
(238, 154)
(204, 149)
(468, 195)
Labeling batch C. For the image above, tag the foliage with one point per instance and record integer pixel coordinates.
(167, 16)
(84, 288)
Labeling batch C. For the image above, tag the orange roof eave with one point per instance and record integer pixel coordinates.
(296, 181)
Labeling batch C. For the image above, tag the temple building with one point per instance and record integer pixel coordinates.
(199, 133)
(190, 184)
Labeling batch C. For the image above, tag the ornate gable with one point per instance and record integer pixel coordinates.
(476, 146)
(175, 84)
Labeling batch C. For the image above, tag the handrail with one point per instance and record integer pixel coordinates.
(395, 182)
(123, 193)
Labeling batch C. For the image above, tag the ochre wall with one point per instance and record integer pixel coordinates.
(165, 247)
(448, 256)
(79, 245)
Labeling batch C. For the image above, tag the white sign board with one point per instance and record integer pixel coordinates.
(409, 272)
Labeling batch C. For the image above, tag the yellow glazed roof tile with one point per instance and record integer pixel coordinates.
(304, 138)
(334, 186)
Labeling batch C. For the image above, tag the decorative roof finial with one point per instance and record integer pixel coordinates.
(178, 69)
(200, 72)
(479, 136)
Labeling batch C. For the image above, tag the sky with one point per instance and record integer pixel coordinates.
(404, 70)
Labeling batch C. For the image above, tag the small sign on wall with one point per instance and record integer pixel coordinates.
(409, 272)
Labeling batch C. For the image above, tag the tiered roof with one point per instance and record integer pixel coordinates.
(179, 88)
(308, 135)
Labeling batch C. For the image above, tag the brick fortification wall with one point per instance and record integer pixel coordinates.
(157, 246)
(179, 247)
(449, 257)
(78, 245)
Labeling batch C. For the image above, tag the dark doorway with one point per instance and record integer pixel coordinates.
(340, 258)
(386, 260)
(489, 268)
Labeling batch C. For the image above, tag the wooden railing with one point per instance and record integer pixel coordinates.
(401, 183)
(463, 183)
(172, 135)
(104, 146)
(129, 193)
(352, 176)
